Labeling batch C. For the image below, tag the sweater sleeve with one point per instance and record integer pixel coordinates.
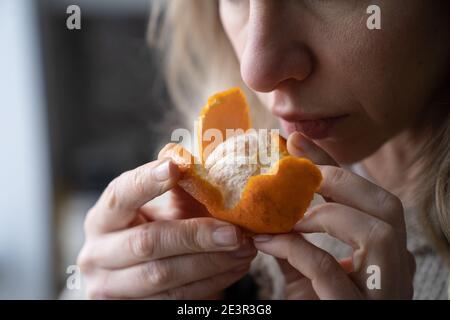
(268, 277)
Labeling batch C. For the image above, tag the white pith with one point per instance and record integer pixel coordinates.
(237, 159)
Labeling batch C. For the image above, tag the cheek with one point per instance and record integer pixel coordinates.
(382, 77)
(392, 72)
(234, 23)
(391, 75)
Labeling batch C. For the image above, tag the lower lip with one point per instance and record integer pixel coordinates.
(314, 129)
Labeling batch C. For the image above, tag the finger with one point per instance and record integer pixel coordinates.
(354, 191)
(347, 264)
(301, 289)
(181, 156)
(327, 277)
(153, 277)
(186, 206)
(290, 273)
(204, 288)
(359, 230)
(298, 287)
(300, 146)
(118, 205)
(183, 206)
(160, 239)
(375, 243)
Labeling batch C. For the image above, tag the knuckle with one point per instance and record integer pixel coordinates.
(110, 194)
(326, 264)
(381, 233)
(389, 202)
(335, 175)
(96, 289)
(85, 260)
(155, 273)
(192, 238)
(138, 178)
(141, 243)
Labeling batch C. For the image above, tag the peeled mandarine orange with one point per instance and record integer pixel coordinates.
(236, 179)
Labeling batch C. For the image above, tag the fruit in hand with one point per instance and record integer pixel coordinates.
(249, 179)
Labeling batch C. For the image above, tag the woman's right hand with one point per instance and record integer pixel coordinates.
(136, 251)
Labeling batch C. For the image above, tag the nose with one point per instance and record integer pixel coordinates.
(274, 51)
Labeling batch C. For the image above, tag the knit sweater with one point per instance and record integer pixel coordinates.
(431, 280)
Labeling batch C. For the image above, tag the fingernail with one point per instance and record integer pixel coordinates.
(162, 172)
(299, 141)
(243, 252)
(225, 236)
(262, 238)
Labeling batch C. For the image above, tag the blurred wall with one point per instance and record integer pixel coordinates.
(106, 107)
(26, 264)
(78, 108)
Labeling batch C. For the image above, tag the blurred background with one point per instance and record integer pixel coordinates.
(78, 108)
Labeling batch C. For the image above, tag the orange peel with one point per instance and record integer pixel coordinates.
(267, 197)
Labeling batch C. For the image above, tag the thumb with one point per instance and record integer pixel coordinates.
(300, 146)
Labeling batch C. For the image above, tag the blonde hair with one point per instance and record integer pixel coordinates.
(199, 60)
(432, 182)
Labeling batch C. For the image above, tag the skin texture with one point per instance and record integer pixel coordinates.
(137, 250)
(300, 57)
(317, 59)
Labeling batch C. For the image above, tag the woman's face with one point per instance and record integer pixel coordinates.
(321, 71)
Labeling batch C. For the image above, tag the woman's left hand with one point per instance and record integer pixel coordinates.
(360, 214)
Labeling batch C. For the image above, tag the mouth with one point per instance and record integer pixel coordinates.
(316, 129)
